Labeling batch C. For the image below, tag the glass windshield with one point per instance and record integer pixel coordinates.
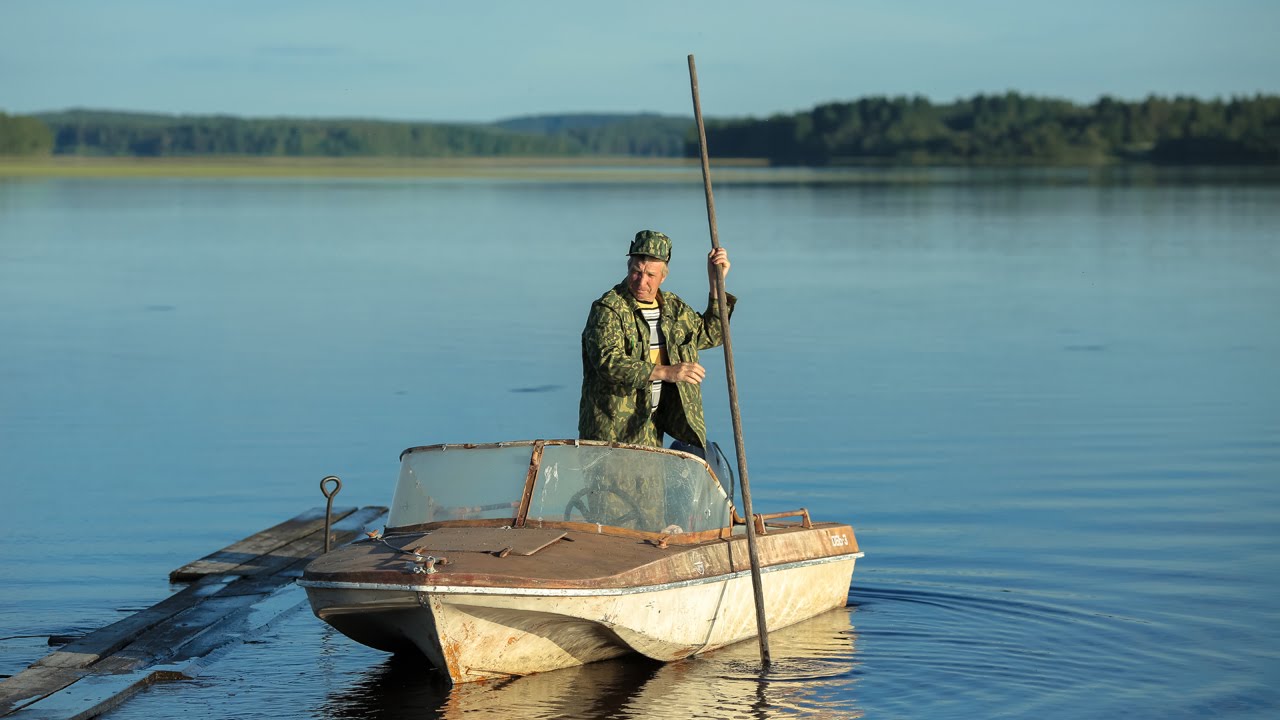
(635, 489)
(460, 483)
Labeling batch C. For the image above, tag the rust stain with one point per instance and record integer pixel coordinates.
(452, 656)
(453, 648)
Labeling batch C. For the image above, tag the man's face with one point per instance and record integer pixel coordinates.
(644, 275)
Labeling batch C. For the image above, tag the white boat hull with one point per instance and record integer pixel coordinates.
(477, 633)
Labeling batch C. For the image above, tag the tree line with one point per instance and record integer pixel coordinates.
(114, 134)
(1011, 128)
(21, 135)
(92, 133)
(984, 129)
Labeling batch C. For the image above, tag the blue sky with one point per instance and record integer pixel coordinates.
(486, 60)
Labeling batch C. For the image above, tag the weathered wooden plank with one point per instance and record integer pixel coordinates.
(353, 527)
(96, 694)
(214, 620)
(95, 673)
(165, 640)
(239, 627)
(301, 551)
(34, 683)
(253, 603)
(239, 557)
(88, 698)
(68, 664)
(104, 641)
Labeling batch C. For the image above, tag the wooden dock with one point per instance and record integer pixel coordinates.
(233, 595)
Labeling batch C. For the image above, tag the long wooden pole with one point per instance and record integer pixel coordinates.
(762, 627)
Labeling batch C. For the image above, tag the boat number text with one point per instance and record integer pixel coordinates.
(838, 540)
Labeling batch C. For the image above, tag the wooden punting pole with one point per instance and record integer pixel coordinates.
(762, 627)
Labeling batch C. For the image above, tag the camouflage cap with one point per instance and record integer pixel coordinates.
(653, 244)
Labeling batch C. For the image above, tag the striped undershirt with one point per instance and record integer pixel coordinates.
(657, 346)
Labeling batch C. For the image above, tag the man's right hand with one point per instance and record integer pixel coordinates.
(690, 372)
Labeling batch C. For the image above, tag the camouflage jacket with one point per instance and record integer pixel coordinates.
(615, 402)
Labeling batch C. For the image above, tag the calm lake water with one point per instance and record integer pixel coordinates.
(1050, 406)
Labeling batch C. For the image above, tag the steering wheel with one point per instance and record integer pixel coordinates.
(583, 501)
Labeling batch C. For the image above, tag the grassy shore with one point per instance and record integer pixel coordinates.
(596, 169)
(544, 168)
(592, 169)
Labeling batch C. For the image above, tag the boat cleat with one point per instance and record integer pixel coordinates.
(426, 564)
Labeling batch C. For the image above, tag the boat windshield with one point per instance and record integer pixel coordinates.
(637, 489)
(458, 482)
(625, 487)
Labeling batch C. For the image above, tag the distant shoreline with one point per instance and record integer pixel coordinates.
(1004, 130)
(603, 169)
(533, 168)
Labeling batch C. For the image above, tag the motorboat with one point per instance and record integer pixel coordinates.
(513, 558)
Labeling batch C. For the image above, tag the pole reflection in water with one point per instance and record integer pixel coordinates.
(813, 672)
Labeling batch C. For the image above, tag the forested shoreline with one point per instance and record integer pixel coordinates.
(986, 129)
(1011, 129)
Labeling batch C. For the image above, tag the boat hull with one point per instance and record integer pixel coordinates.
(478, 633)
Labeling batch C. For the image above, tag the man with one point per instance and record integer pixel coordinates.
(640, 371)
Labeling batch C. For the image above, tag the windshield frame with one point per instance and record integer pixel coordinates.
(521, 517)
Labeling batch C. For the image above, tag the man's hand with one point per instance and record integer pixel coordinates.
(717, 258)
(690, 372)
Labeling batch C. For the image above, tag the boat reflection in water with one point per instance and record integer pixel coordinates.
(812, 675)
(510, 559)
